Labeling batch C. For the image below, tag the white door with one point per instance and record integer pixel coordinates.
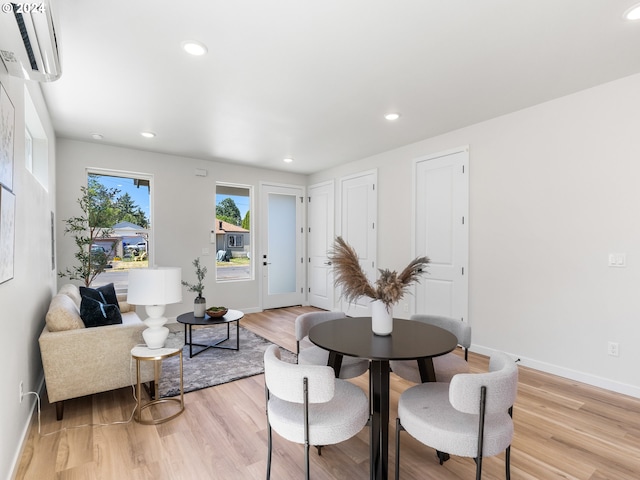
(281, 257)
(442, 232)
(320, 217)
(359, 214)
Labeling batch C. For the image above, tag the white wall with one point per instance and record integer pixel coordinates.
(553, 190)
(24, 299)
(184, 211)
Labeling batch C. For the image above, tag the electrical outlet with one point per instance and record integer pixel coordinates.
(21, 391)
(613, 349)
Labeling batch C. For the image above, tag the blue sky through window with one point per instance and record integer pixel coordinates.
(139, 195)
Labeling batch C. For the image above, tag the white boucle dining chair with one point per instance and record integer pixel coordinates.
(445, 366)
(306, 404)
(469, 417)
(351, 367)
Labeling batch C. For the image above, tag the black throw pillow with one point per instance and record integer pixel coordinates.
(105, 294)
(97, 314)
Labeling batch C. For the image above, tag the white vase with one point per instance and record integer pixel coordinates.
(381, 318)
(199, 307)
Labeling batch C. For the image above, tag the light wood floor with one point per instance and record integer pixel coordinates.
(564, 430)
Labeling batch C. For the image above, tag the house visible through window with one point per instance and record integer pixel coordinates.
(232, 232)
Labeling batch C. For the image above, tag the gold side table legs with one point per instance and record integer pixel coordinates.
(156, 355)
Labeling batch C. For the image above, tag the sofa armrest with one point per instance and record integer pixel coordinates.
(90, 360)
(123, 305)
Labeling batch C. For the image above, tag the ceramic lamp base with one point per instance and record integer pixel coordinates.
(157, 333)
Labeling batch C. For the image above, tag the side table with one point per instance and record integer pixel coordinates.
(156, 355)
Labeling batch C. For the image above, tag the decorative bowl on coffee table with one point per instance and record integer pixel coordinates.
(216, 312)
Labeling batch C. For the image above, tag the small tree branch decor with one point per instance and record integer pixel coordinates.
(201, 272)
(390, 286)
(92, 224)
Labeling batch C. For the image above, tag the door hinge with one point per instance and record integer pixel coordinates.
(463, 220)
(373, 226)
(301, 260)
(309, 199)
(301, 199)
(301, 290)
(462, 270)
(462, 168)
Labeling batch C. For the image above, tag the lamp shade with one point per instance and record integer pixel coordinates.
(155, 286)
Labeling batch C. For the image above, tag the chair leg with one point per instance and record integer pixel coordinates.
(442, 456)
(319, 448)
(507, 462)
(480, 450)
(398, 429)
(306, 460)
(269, 447)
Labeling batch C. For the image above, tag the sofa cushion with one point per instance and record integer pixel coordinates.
(71, 291)
(105, 294)
(63, 314)
(97, 314)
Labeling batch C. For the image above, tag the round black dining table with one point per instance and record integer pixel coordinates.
(409, 340)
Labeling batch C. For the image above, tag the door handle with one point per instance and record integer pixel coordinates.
(327, 263)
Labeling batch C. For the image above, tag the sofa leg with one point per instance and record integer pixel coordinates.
(59, 410)
(150, 388)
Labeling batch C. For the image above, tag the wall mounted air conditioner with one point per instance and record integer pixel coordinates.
(28, 43)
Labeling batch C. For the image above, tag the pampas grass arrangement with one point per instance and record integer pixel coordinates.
(388, 288)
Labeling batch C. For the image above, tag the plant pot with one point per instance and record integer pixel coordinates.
(381, 318)
(199, 307)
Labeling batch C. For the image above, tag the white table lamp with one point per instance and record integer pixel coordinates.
(154, 288)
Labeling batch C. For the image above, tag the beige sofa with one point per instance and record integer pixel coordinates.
(82, 361)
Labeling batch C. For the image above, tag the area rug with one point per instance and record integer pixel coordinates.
(214, 366)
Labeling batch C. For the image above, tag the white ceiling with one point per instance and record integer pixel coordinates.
(312, 79)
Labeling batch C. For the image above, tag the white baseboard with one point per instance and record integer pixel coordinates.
(25, 431)
(593, 380)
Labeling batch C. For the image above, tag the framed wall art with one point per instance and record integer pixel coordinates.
(7, 134)
(7, 233)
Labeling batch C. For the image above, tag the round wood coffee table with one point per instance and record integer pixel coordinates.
(189, 321)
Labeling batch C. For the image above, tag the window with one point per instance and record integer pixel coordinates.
(232, 232)
(36, 143)
(235, 241)
(129, 243)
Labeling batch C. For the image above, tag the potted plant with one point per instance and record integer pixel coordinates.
(200, 303)
(387, 290)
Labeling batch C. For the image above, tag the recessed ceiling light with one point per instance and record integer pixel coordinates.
(148, 134)
(97, 136)
(392, 116)
(194, 48)
(288, 160)
(633, 13)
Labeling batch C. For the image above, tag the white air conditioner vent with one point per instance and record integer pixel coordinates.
(28, 42)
